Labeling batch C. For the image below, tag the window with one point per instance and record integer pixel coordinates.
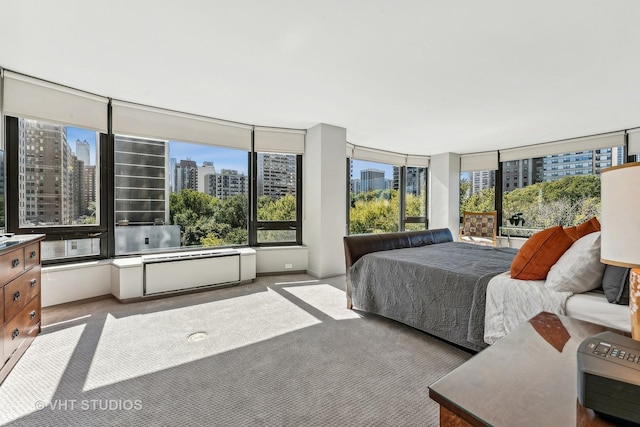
(478, 191)
(2, 194)
(277, 193)
(415, 197)
(547, 198)
(374, 201)
(172, 194)
(67, 183)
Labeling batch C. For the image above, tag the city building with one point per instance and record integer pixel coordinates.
(186, 175)
(276, 174)
(49, 174)
(372, 179)
(141, 190)
(83, 150)
(228, 183)
(202, 173)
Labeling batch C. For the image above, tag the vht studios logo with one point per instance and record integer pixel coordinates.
(91, 405)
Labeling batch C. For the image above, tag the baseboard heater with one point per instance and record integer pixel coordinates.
(172, 272)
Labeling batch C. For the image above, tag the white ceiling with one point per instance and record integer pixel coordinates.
(412, 76)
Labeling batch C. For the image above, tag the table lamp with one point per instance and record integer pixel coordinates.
(620, 228)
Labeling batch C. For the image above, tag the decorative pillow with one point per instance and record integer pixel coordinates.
(539, 253)
(615, 284)
(579, 269)
(590, 226)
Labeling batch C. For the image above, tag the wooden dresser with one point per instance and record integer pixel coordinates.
(19, 297)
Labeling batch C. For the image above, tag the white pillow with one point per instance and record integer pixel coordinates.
(579, 269)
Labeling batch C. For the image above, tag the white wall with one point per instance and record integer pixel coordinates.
(72, 282)
(281, 259)
(325, 199)
(444, 192)
(123, 277)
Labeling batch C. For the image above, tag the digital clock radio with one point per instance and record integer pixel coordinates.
(609, 375)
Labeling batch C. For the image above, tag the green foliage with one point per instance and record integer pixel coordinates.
(567, 201)
(482, 201)
(415, 205)
(465, 193)
(282, 209)
(207, 221)
(91, 214)
(374, 212)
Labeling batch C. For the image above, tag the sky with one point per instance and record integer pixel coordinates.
(74, 134)
(359, 165)
(226, 158)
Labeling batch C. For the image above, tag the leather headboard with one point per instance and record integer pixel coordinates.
(357, 245)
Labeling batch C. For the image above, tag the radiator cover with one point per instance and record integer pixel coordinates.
(187, 270)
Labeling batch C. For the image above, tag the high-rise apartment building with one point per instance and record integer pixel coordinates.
(141, 188)
(372, 179)
(228, 183)
(89, 190)
(276, 174)
(202, 174)
(186, 175)
(520, 173)
(416, 180)
(355, 186)
(49, 176)
(83, 151)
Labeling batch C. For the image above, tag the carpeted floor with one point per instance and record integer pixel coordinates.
(282, 351)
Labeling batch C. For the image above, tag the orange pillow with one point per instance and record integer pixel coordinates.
(587, 227)
(538, 254)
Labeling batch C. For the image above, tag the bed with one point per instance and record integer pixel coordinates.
(456, 291)
(425, 280)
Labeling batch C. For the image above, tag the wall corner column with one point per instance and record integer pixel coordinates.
(444, 192)
(324, 199)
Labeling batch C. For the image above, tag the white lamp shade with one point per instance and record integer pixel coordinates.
(620, 215)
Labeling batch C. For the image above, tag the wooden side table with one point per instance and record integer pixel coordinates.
(529, 378)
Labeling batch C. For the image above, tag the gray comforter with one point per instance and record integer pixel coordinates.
(439, 289)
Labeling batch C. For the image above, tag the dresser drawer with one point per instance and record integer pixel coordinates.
(20, 291)
(11, 264)
(1, 308)
(32, 255)
(18, 328)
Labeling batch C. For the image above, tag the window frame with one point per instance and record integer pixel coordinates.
(55, 233)
(403, 220)
(256, 225)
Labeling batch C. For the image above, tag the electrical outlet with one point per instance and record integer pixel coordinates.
(288, 266)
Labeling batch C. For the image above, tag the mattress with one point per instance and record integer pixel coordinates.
(593, 307)
(511, 302)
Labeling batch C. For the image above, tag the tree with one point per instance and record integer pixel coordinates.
(567, 201)
(205, 220)
(282, 209)
(374, 212)
(482, 201)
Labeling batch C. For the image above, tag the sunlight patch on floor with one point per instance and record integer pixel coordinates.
(324, 297)
(129, 347)
(37, 386)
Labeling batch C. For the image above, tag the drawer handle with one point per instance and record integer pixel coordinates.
(33, 282)
(32, 315)
(15, 334)
(16, 295)
(15, 263)
(33, 254)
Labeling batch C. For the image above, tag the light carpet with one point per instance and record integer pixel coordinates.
(282, 351)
